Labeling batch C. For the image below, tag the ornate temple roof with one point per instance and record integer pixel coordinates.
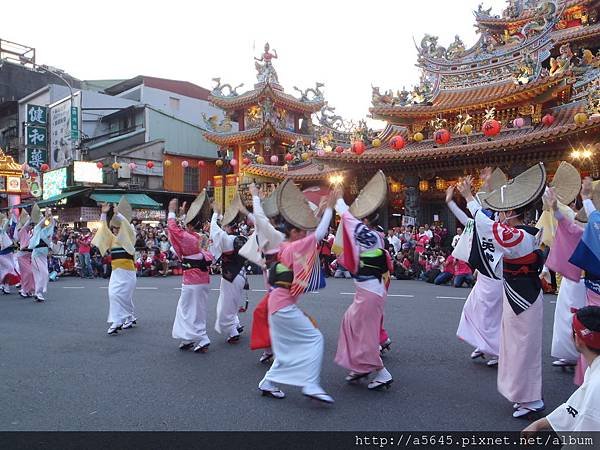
(8, 166)
(273, 91)
(310, 171)
(512, 15)
(507, 140)
(504, 93)
(268, 128)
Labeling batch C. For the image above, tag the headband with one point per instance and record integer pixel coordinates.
(589, 337)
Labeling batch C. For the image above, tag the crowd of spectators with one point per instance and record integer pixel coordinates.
(418, 253)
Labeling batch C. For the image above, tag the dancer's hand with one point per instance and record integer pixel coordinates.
(586, 188)
(173, 205)
(450, 193)
(182, 209)
(105, 208)
(549, 200)
(253, 190)
(464, 187)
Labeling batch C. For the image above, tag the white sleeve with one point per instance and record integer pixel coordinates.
(459, 213)
(323, 226)
(171, 215)
(589, 206)
(251, 218)
(257, 206)
(473, 206)
(340, 206)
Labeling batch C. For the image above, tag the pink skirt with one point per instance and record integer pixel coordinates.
(358, 344)
(481, 316)
(520, 359)
(26, 272)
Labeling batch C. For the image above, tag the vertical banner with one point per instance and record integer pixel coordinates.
(218, 184)
(64, 131)
(36, 136)
(230, 189)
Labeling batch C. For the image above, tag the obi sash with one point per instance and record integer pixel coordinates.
(522, 282)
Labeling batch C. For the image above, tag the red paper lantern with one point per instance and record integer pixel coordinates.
(44, 167)
(548, 120)
(149, 164)
(358, 147)
(201, 163)
(441, 136)
(246, 161)
(339, 149)
(289, 157)
(397, 142)
(491, 127)
(99, 164)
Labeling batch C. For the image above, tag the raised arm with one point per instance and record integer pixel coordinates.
(586, 195)
(459, 213)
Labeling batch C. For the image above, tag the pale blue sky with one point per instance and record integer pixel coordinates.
(348, 45)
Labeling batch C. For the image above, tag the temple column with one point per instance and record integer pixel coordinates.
(411, 197)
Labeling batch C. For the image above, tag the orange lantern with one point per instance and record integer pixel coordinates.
(491, 127)
(397, 142)
(167, 163)
(418, 137)
(441, 136)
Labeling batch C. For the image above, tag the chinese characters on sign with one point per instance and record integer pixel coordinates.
(36, 135)
(37, 115)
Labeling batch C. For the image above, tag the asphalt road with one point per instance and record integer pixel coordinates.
(60, 371)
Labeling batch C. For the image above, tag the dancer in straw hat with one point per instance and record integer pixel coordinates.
(576, 248)
(39, 243)
(297, 343)
(23, 236)
(262, 249)
(364, 255)
(482, 312)
(8, 272)
(225, 244)
(121, 244)
(191, 246)
(520, 359)
(566, 184)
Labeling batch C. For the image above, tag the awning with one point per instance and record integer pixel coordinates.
(137, 201)
(56, 198)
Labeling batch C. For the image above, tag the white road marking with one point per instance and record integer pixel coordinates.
(73, 287)
(146, 288)
(177, 289)
(400, 295)
(259, 290)
(215, 289)
(347, 293)
(552, 301)
(454, 298)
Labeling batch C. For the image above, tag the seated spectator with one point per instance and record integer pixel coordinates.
(160, 264)
(69, 265)
(164, 244)
(143, 264)
(435, 267)
(447, 272)
(462, 274)
(339, 271)
(96, 260)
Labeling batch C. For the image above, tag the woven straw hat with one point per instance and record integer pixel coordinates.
(294, 207)
(200, 207)
(518, 192)
(125, 209)
(582, 215)
(233, 210)
(371, 197)
(497, 179)
(269, 204)
(23, 217)
(36, 214)
(566, 183)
